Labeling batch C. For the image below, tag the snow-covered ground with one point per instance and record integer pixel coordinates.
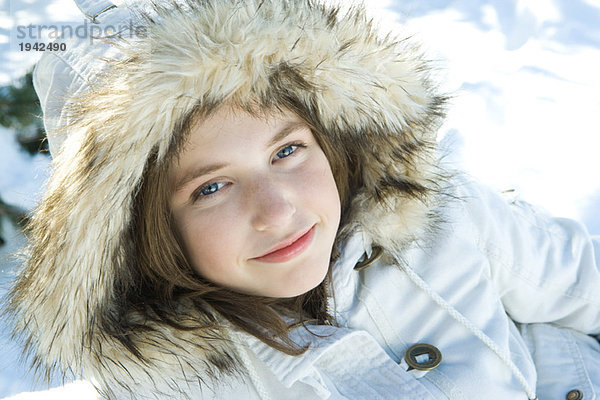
(524, 76)
(526, 90)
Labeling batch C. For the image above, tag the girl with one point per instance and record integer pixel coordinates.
(247, 202)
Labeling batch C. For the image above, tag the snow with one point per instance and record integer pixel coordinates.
(22, 175)
(526, 95)
(526, 91)
(72, 391)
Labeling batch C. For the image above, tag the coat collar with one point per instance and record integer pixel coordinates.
(351, 358)
(344, 278)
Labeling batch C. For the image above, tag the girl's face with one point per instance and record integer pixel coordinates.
(255, 203)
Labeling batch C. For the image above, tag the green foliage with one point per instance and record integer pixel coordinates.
(20, 110)
(14, 214)
(21, 113)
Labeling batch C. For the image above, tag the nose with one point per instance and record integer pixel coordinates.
(270, 204)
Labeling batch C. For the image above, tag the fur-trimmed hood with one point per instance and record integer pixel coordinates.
(369, 92)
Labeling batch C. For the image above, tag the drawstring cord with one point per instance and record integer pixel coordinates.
(417, 280)
(453, 312)
(254, 378)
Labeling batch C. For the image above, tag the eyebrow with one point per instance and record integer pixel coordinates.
(285, 131)
(288, 128)
(190, 175)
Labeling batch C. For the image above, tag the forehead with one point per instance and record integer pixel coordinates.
(228, 124)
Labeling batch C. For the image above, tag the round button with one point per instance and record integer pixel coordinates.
(423, 357)
(574, 395)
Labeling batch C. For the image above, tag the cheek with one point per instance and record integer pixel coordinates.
(320, 190)
(209, 242)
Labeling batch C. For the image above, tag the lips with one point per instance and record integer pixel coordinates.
(288, 249)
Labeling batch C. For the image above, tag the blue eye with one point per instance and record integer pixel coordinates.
(288, 151)
(209, 189)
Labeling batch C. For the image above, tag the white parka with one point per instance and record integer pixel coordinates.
(507, 295)
(505, 292)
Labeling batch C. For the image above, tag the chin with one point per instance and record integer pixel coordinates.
(301, 286)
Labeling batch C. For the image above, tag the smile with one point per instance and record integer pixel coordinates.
(289, 249)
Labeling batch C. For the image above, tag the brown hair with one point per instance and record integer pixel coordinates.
(165, 277)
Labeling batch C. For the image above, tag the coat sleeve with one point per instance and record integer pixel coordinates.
(546, 269)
